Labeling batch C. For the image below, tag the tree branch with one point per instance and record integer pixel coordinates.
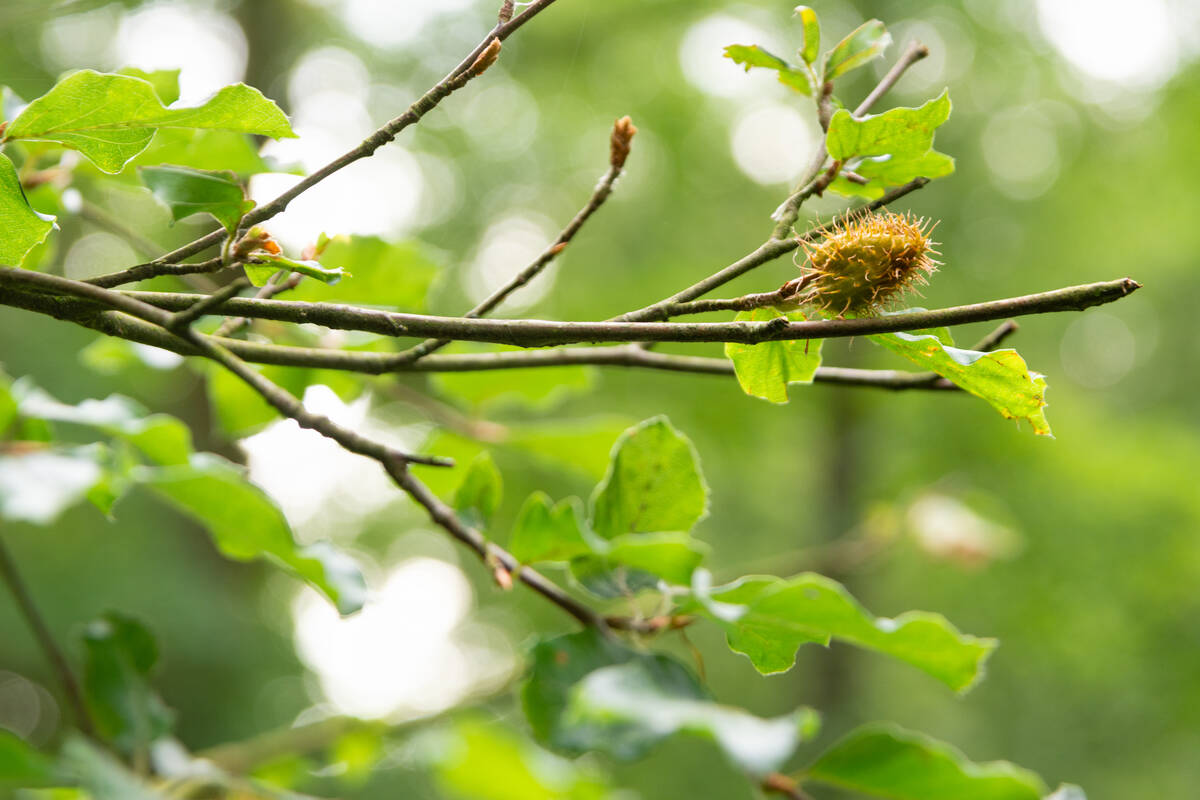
(234, 324)
(504, 565)
(482, 57)
(180, 330)
(37, 624)
(543, 333)
(623, 131)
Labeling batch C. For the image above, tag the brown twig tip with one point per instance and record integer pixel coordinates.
(486, 58)
(776, 783)
(622, 137)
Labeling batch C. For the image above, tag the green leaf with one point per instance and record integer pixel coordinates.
(866, 42)
(264, 265)
(653, 483)
(754, 56)
(586, 693)
(205, 150)
(887, 761)
(479, 495)
(812, 34)
(23, 227)
(245, 525)
(22, 767)
(767, 619)
(189, 191)
(164, 81)
(101, 775)
(672, 556)
(38, 484)
(543, 532)
(884, 171)
(483, 761)
(111, 118)
(900, 131)
(765, 370)
(891, 148)
(120, 655)
(162, 438)
(999, 377)
(386, 274)
(538, 388)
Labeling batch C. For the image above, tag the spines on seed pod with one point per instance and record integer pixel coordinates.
(865, 262)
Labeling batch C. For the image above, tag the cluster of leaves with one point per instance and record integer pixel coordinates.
(41, 475)
(881, 151)
(585, 692)
(117, 119)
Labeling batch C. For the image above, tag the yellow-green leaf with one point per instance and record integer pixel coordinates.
(111, 118)
(765, 370)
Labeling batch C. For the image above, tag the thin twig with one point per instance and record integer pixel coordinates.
(473, 65)
(234, 324)
(185, 317)
(543, 333)
(50, 648)
(277, 397)
(123, 326)
(996, 337)
(623, 131)
(768, 251)
(911, 55)
(394, 462)
(154, 269)
(776, 783)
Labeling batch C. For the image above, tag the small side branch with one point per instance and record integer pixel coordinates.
(277, 397)
(475, 64)
(911, 55)
(622, 133)
(768, 251)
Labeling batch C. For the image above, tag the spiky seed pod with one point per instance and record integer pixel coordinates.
(865, 262)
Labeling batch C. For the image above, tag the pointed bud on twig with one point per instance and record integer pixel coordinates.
(558, 248)
(506, 11)
(486, 59)
(622, 135)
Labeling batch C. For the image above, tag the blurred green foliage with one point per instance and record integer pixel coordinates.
(1094, 681)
